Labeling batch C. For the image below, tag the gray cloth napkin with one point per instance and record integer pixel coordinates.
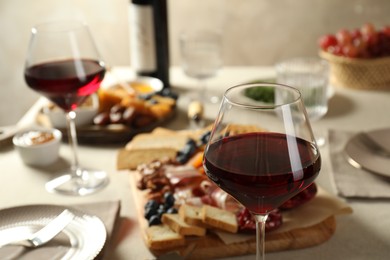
(107, 211)
(350, 181)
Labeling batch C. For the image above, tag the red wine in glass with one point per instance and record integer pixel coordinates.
(64, 65)
(271, 158)
(261, 185)
(66, 82)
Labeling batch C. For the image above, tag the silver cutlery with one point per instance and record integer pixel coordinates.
(48, 232)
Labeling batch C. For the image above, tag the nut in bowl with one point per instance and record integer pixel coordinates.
(84, 114)
(38, 147)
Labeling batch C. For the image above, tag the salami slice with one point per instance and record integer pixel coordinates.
(247, 223)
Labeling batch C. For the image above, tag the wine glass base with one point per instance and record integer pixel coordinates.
(78, 182)
(209, 97)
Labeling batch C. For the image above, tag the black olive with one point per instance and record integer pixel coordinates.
(171, 210)
(149, 212)
(169, 199)
(182, 158)
(151, 204)
(154, 220)
(205, 137)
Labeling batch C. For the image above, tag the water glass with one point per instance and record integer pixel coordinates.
(310, 75)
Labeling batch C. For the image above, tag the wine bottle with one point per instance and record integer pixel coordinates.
(149, 46)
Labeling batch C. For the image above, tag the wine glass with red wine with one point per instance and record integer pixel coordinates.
(262, 150)
(63, 65)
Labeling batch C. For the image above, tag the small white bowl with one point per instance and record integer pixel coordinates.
(38, 147)
(84, 114)
(141, 85)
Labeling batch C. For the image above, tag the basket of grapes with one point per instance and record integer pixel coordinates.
(358, 58)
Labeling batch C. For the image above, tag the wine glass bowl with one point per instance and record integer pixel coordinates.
(201, 52)
(262, 152)
(63, 65)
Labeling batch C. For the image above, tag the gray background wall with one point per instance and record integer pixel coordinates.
(255, 32)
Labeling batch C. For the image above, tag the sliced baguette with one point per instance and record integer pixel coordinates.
(219, 219)
(191, 215)
(145, 148)
(179, 226)
(154, 141)
(162, 237)
(130, 159)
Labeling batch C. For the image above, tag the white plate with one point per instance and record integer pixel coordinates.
(83, 238)
(362, 155)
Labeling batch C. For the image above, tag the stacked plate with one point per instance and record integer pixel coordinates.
(83, 238)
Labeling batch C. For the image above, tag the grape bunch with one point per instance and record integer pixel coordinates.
(365, 42)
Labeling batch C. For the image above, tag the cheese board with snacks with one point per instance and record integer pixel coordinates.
(180, 210)
(118, 112)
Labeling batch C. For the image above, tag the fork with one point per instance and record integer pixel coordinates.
(48, 232)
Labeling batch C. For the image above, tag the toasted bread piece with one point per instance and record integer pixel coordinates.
(130, 159)
(219, 219)
(151, 141)
(191, 215)
(240, 129)
(145, 148)
(160, 237)
(179, 226)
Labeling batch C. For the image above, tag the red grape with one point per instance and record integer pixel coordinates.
(364, 42)
(327, 41)
(344, 37)
(350, 51)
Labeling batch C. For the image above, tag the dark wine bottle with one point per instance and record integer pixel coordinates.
(149, 45)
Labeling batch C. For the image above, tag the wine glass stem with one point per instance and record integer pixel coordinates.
(202, 89)
(72, 138)
(260, 235)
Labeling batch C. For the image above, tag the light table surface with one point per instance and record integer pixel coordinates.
(362, 235)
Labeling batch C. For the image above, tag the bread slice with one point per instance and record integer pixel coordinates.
(191, 215)
(145, 148)
(160, 237)
(153, 141)
(130, 159)
(220, 219)
(181, 227)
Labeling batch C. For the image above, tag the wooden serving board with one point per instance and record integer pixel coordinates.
(211, 246)
(108, 134)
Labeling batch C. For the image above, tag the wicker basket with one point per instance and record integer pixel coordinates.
(373, 74)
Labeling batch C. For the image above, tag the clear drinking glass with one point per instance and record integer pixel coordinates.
(201, 52)
(310, 75)
(63, 65)
(262, 151)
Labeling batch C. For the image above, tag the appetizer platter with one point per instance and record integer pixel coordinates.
(180, 210)
(117, 112)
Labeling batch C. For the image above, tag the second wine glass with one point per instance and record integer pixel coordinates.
(262, 152)
(63, 64)
(201, 52)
